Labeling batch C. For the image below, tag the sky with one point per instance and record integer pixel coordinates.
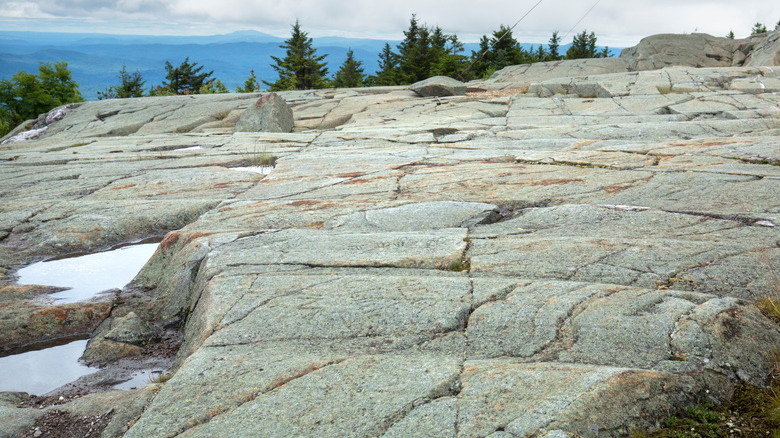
(618, 23)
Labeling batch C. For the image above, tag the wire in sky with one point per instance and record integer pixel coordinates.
(465, 70)
(580, 20)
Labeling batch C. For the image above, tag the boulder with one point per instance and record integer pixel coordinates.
(702, 50)
(269, 114)
(694, 50)
(439, 86)
(766, 50)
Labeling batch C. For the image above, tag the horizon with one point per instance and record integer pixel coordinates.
(614, 23)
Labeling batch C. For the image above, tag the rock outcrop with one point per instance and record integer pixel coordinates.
(571, 249)
(439, 86)
(269, 114)
(703, 50)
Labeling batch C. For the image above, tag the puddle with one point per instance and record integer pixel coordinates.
(139, 379)
(264, 170)
(44, 370)
(88, 275)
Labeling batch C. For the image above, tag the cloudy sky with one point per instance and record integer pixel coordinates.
(618, 23)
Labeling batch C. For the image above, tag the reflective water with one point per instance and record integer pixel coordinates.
(41, 371)
(139, 379)
(265, 170)
(88, 275)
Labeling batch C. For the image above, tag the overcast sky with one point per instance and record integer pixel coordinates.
(618, 23)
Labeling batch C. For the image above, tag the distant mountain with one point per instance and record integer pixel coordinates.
(95, 59)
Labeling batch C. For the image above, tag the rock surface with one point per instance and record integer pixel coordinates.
(546, 256)
(269, 114)
(703, 50)
(439, 86)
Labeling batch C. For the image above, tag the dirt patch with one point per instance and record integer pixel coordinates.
(62, 424)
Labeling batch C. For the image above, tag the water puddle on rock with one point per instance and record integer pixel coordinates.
(139, 379)
(88, 275)
(43, 370)
(263, 170)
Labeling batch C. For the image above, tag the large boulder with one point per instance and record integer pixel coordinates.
(695, 50)
(702, 50)
(439, 86)
(766, 50)
(269, 114)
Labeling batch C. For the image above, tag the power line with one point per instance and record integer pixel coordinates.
(465, 70)
(580, 20)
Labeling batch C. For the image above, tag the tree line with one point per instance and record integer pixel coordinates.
(424, 52)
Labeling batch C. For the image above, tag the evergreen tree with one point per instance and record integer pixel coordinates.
(500, 51)
(583, 45)
(414, 57)
(388, 68)
(186, 78)
(131, 85)
(26, 95)
(301, 68)
(351, 74)
(758, 28)
(250, 85)
(446, 59)
(730, 35)
(540, 54)
(555, 44)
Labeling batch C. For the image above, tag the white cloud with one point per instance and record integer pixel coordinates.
(616, 22)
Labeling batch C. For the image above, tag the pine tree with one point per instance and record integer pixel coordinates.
(757, 29)
(388, 68)
(555, 43)
(583, 45)
(301, 68)
(504, 50)
(186, 78)
(446, 59)
(413, 53)
(730, 35)
(351, 74)
(250, 85)
(131, 85)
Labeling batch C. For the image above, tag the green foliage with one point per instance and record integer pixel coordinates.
(301, 68)
(423, 53)
(583, 45)
(555, 44)
(131, 85)
(499, 51)
(388, 65)
(186, 78)
(758, 28)
(250, 85)
(213, 86)
(730, 35)
(351, 73)
(157, 90)
(26, 95)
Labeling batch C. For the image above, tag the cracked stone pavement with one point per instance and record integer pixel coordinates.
(568, 254)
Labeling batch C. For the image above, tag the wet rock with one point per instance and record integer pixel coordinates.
(26, 322)
(439, 86)
(269, 114)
